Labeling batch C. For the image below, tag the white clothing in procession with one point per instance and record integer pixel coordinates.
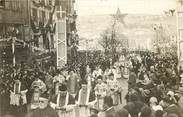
(84, 103)
(101, 91)
(97, 73)
(72, 83)
(62, 106)
(111, 71)
(59, 78)
(17, 94)
(117, 73)
(114, 88)
(35, 99)
(57, 103)
(90, 79)
(126, 69)
(100, 72)
(39, 83)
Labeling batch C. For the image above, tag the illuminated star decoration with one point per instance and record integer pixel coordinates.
(120, 17)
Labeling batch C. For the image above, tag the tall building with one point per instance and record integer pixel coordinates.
(31, 26)
(13, 19)
(180, 31)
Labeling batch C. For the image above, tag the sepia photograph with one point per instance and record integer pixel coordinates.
(91, 58)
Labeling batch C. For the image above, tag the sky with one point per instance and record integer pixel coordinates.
(96, 7)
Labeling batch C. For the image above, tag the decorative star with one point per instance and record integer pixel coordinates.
(119, 16)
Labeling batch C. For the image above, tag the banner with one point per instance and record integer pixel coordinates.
(61, 43)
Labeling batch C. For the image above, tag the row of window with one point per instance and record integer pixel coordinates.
(46, 2)
(40, 14)
(13, 5)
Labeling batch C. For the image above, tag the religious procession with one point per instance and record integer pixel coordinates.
(62, 91)
(91, 58)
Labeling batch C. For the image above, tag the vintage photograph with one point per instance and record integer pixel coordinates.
(91, 58)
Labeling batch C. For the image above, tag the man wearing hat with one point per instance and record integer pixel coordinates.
(44, 109)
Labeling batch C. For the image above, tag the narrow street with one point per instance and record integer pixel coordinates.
(124, 86)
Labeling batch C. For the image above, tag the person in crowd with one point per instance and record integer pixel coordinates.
(101, 91)
(44, 110)
(121, 112)
(153, 103)
(108, 107)
(18, 98)
(106, 73)
(85, 96)
(84, 99)
(48, 81)
(93, 112)
(114, 89)
(134, 105)
(146, 112)
(38, 83)
(72, 82)
(171, 108)
(62, 100)
(59, 77)
(132, 79)
(90, 80)
(159, 113)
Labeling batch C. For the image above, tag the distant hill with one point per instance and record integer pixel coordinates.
(138, 29)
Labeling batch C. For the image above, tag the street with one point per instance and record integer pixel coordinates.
(65, 58)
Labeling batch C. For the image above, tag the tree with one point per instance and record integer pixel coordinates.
(112, 39)
(109, 41)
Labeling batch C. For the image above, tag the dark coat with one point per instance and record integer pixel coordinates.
(47, 112)
(71, 99)
(110, 113)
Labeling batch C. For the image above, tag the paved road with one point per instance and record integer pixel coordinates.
(124, 86)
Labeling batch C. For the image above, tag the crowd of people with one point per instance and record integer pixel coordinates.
(24, 87)
(94, 90)
(153, 87)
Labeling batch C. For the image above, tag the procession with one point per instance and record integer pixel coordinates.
(151, 89)
(91, 58)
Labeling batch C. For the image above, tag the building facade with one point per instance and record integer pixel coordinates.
(13, 18)
(31, 24)
(180, 31)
